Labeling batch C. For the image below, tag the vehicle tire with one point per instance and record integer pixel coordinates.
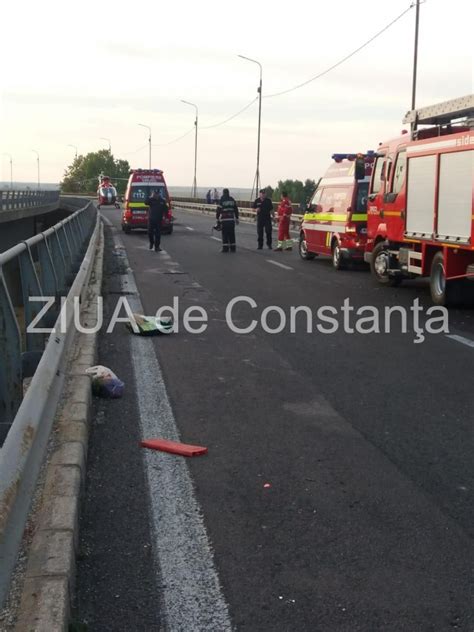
(170, 232)
(303, 249)
(444, 293)
(127, 230)
(379, 266)
(338, 261)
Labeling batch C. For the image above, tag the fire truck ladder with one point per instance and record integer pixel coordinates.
(460, 110)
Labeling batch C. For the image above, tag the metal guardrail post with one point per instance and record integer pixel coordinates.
(30, 286)
(65, 247)
(48, 277)
(58, 259)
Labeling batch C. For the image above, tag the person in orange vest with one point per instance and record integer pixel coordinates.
(284, 214)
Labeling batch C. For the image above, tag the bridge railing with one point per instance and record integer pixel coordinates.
(57, 265)
(42, 266)
(12, 200)
(245, 209)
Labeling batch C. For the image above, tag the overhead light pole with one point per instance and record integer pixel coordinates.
(194, 190)
(257, 173)
(415, 64)
(108, 140)
(11, 169)
(149, 143)
(74, 146)
(38, 165)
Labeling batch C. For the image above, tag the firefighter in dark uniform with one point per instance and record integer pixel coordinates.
(228, 216)
(158, 208)
(264, 208)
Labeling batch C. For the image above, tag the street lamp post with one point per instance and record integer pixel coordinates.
(11, 169)
(75, 149)
(194, 190)
(415, 64)
(108, 140)
(257, 173)
(149, 143)
(38, 165)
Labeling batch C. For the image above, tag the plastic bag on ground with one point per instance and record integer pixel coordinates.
(104, 382)
(150, 325)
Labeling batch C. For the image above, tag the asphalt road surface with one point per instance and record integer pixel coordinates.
(336, 494)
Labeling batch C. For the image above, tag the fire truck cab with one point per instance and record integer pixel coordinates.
(141, 184)
(420, 209)
(335, 222)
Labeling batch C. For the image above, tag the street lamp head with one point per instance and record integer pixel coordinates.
(108, 140)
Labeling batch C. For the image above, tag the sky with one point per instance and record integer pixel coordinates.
(73, 74)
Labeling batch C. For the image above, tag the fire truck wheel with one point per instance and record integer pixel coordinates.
(379, 266)
(444, 292)
(303, 250)
(127, 229)
(338, 261)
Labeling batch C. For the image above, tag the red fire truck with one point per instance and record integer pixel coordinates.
(141, 184)
(335, 222)
(420, 209)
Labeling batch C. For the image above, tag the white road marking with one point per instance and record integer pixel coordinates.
(215, 239)
(461, 339)
(192, 597)
(280, 265)
(189, 228)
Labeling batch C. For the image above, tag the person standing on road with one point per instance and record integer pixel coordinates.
(216, 196)
(285, 210)
(157, 209)
(228, 215)
(264, 208)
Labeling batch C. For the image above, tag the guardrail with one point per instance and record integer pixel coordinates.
(16, 200)
(56, 264)
(244, 211)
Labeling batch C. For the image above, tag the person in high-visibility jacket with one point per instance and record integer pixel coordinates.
(284, 214)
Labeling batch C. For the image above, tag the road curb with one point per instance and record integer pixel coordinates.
(49, 582)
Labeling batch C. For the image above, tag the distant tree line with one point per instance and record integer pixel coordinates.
(298, 191)
(83, 175)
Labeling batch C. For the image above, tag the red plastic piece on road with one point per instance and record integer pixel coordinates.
(174, 447)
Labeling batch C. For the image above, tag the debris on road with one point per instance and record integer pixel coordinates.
(174, 447)
(150, 325)
(267, 485)
(104, 382)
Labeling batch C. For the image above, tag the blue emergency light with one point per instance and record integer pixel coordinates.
(340, 157)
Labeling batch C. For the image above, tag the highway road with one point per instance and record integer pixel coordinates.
(336, 494)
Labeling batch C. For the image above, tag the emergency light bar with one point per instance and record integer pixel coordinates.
(340, 157)
(145, 171)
